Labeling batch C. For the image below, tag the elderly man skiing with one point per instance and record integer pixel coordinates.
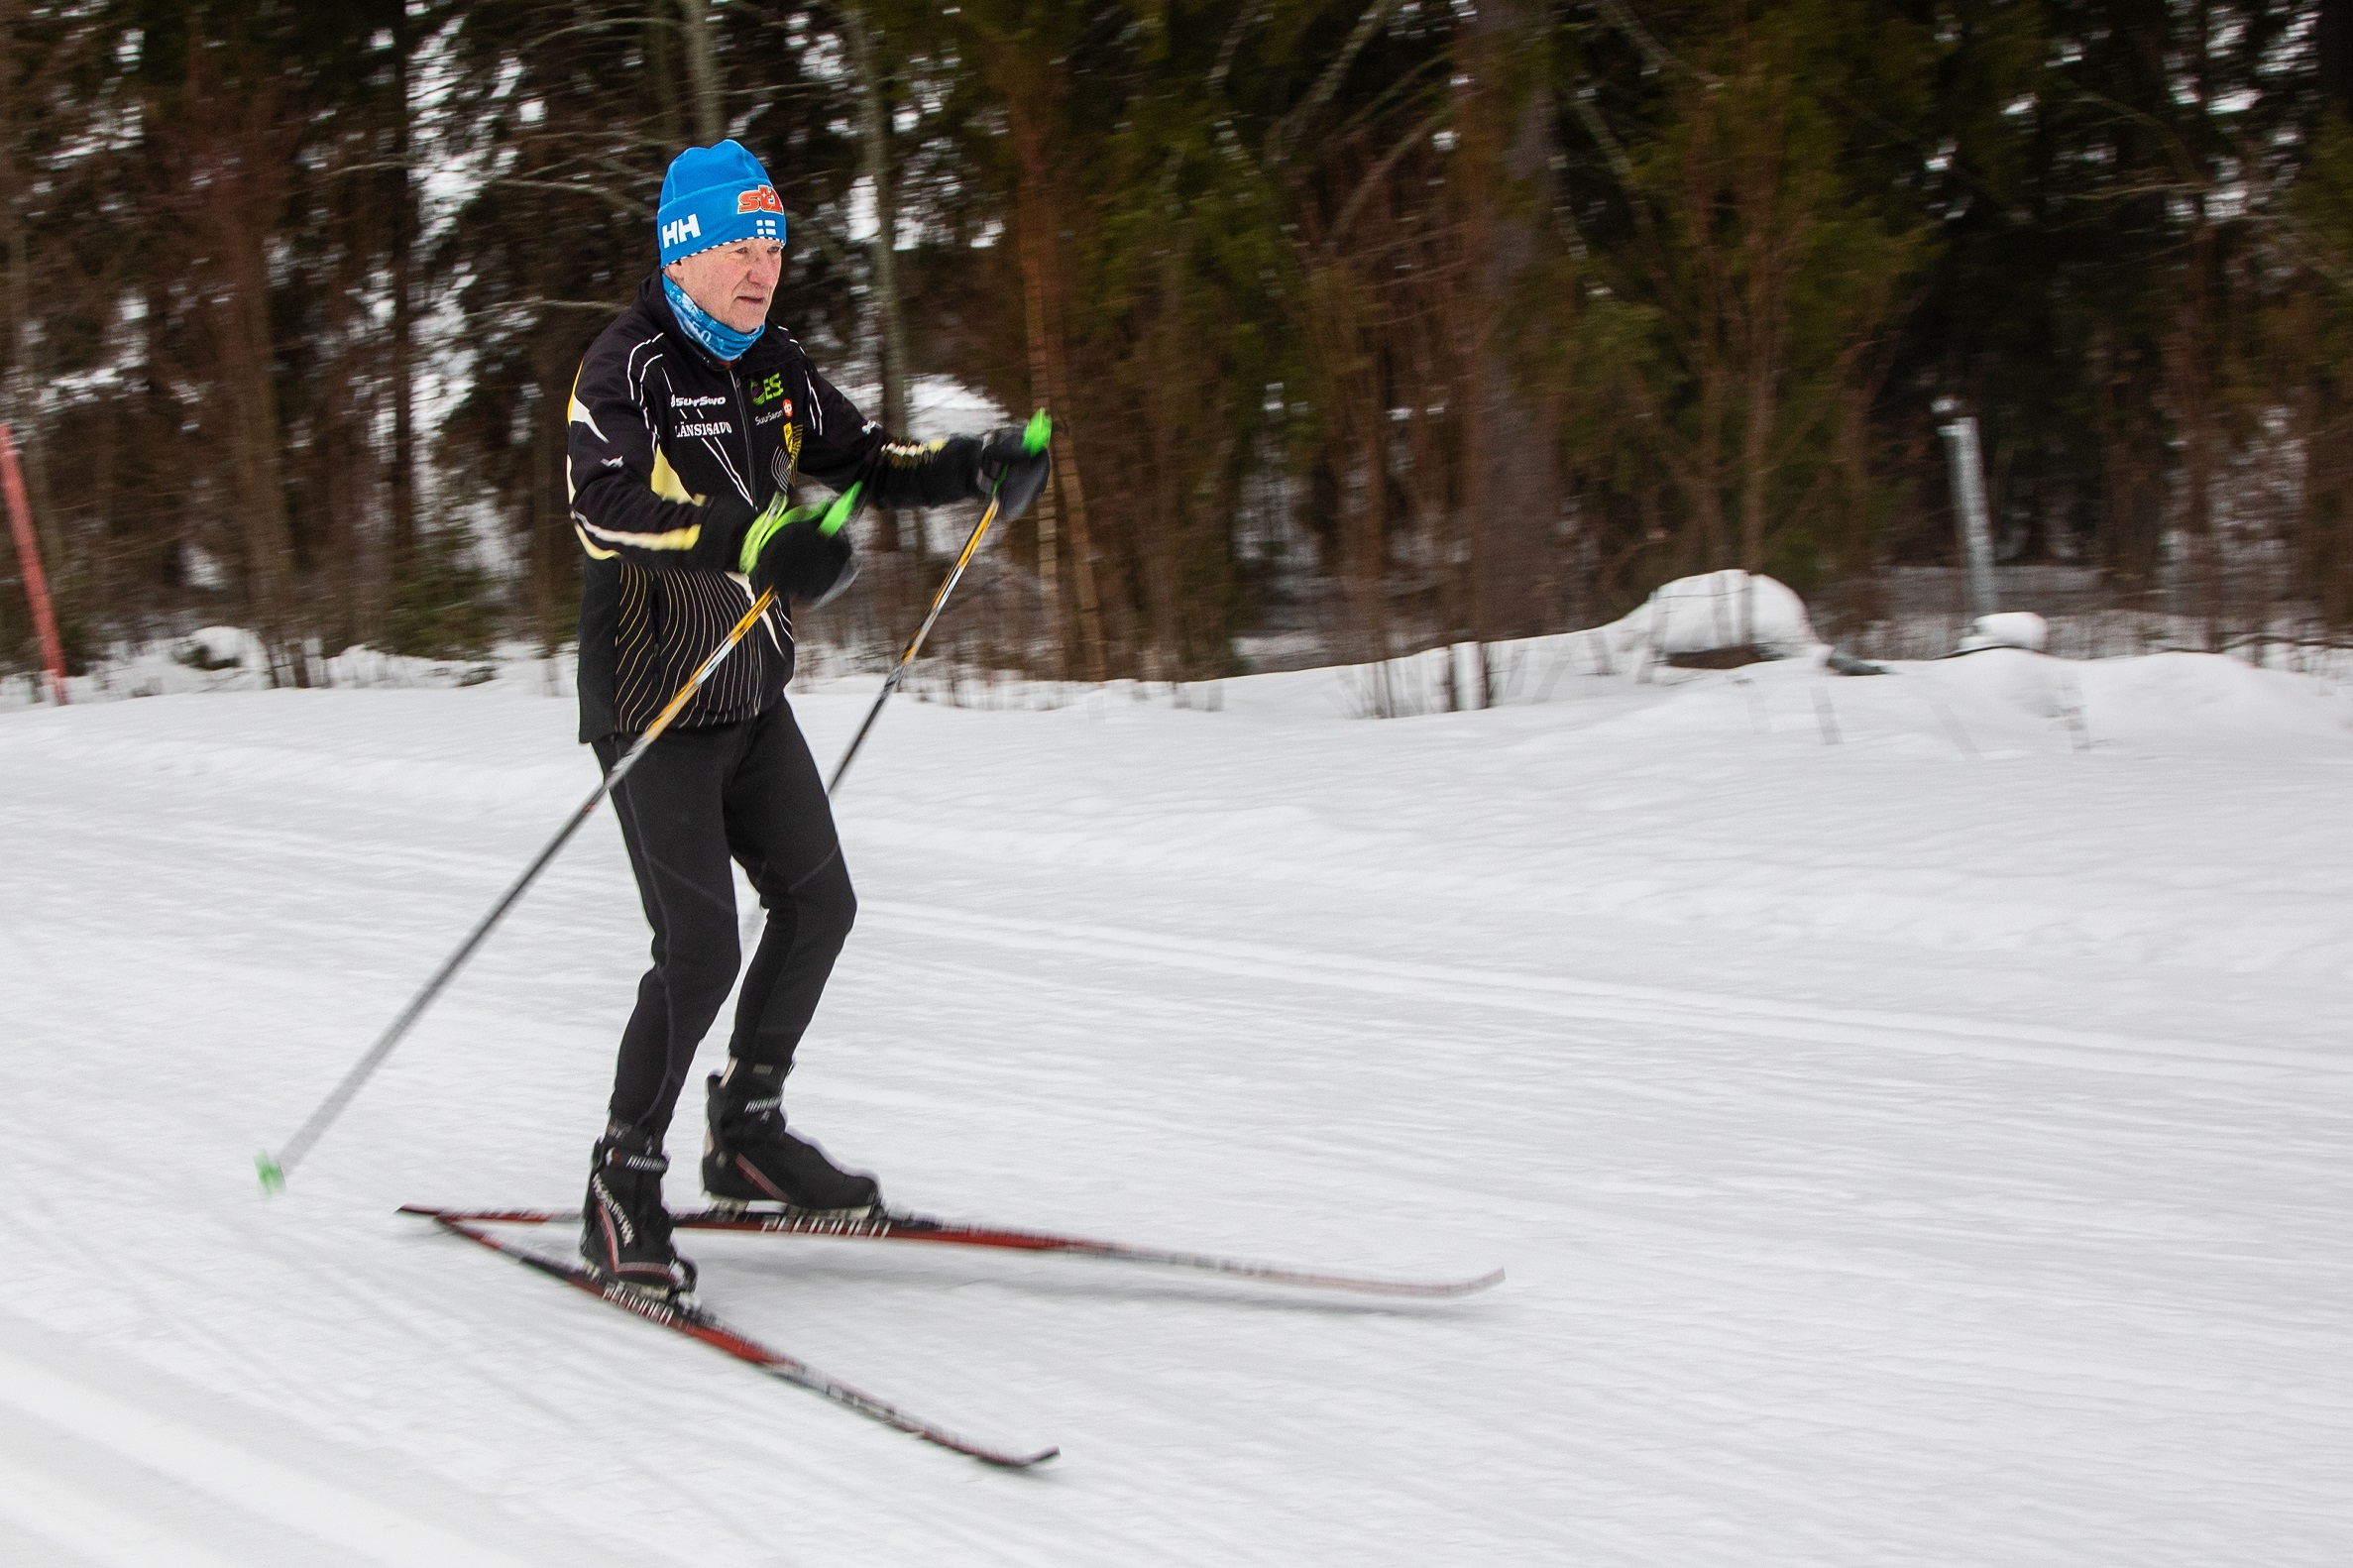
(692, 421)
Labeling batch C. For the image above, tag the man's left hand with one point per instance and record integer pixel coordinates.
(1011, 472)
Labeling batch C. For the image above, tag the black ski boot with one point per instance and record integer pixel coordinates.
(625, 1232)
(748, 1158)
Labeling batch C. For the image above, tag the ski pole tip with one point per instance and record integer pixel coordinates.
(1037, 432)
(274, 1177)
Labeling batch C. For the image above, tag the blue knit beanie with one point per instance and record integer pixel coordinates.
(716, 196)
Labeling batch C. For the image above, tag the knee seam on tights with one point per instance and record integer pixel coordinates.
(811, 875)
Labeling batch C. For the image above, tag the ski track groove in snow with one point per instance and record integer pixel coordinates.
(1459, 987)
(1895, 1156)
(273, 1499)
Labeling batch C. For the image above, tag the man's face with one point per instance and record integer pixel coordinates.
(734, 283)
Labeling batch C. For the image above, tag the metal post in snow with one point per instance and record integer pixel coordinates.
(27, 551)
(1968, 495)
(1467, 675)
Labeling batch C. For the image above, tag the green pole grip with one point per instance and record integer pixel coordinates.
(1037, 432)
(840, 511)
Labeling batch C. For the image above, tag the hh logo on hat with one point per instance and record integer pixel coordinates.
(762, 199)
(682, 230)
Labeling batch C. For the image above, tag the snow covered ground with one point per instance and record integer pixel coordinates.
(1931, 1145)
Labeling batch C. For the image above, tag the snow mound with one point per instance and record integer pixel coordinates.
(2210, 697)
(1715, 613)
(221, 649)
(2011, 628)
(1998, 705)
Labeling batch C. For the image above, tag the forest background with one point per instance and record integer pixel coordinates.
(1369, 325)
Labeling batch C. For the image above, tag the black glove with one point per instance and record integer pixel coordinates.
(1011, 472)
(803, 553)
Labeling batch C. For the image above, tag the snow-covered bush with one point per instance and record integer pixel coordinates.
(1728, 613)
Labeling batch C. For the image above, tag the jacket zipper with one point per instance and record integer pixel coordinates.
(751, 458)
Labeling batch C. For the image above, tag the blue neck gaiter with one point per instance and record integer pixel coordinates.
(706, 328)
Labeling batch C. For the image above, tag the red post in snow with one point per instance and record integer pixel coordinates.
(27, 551)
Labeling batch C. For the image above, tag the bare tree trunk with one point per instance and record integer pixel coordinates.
(1704, 471)
(1164, 423)
(1042, 291)
(403, 551)
(1711, 350)
(2189, 389)
(662, 62)
(238, 204)
(248, 361)
(340, 455)
(540, 538)
(1369, 566)
(890, 322)
(1512, 470)
(701, 70)
(1033, 298)
(1775, 226)
(2132, 523)
(874, 133)
(2334, 39)
(2323, 554)
(1028, 85)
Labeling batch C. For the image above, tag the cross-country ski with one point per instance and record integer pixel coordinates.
(697, 1323)
(891, 1226)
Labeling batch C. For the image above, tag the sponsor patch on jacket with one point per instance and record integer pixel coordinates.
(707, 427)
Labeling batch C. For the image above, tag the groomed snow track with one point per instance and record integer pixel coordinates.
(1899, 1153)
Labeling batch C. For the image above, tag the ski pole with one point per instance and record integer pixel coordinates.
(274, 1168)
(1033, 437)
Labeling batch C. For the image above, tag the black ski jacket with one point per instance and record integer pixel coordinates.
(673, 452)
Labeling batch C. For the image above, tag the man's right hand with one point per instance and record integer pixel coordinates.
(803, 552)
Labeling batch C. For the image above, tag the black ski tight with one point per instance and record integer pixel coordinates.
(750, 792)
